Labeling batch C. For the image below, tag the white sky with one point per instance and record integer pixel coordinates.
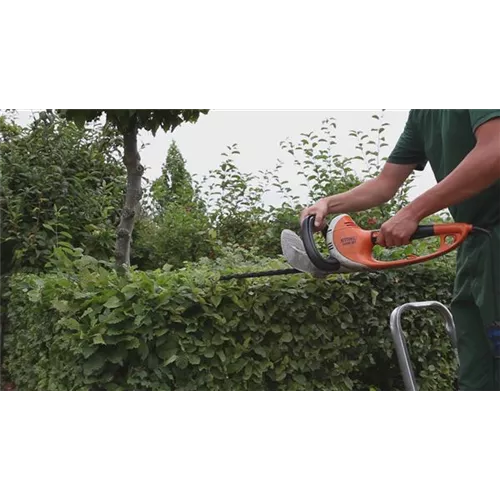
(258, 134)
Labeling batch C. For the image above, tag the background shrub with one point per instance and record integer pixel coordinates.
(60, 185)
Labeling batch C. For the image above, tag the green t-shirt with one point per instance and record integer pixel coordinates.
(443, 138)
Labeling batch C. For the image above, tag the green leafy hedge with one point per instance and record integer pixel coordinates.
(91, 329)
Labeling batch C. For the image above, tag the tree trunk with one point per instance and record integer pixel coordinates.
(132, 161)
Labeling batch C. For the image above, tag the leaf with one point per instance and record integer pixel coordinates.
(70, 323)
(143, 350)
(87, 351)
(348, 383)
(182, 362)
(260, 351)
(60, 305)
(247, 372)
(130, 290)
(194, 359)
(170, 360)
(34, 295)
(132, 343)
(113, 302)
(94, 363)
(98, 339)
(158, 332)
(209, 352)
(299, 378)
(286, 337)
(114, 318)
(237, 366)
(65, 244)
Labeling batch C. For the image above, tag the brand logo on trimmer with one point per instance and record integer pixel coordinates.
(350, 240)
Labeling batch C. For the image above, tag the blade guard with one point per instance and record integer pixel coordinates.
(352, 246)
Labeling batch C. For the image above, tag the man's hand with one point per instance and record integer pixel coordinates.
(320, 211)
(398, 230)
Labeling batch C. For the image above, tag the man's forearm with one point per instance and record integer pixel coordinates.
(362, 197)
(478, 171)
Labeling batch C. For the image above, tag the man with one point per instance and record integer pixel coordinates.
(463, 149)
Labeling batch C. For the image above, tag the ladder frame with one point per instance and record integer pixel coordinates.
(399, 339)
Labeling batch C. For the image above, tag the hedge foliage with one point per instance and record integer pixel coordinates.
(91, 329)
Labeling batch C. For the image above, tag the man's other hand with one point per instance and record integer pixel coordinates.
(398, 230)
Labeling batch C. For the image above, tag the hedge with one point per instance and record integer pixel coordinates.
(93, 329)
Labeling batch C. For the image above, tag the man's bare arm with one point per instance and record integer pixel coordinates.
(479, 169)
(369, 194)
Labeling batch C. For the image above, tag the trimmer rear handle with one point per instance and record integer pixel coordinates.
(424, 231)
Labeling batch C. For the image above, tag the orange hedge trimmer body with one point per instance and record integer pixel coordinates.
(351, 248)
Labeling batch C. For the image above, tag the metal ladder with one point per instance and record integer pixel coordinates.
(400, 341)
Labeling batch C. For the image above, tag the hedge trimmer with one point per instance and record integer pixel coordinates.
(351, 248)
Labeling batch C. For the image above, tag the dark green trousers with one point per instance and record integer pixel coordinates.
(475, 308)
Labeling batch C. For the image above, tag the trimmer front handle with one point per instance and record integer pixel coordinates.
(329, 264)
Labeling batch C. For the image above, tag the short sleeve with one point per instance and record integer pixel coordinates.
(480, 116)
(409, 149)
